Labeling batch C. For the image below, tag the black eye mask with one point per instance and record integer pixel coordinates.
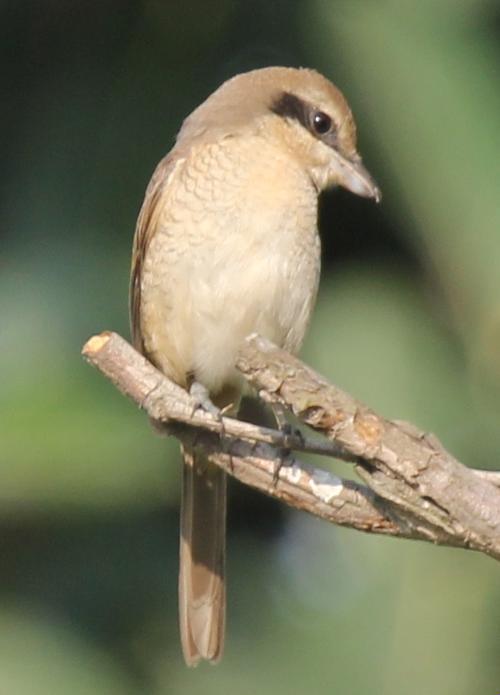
(318, 123)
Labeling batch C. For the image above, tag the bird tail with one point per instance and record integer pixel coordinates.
(202, 591)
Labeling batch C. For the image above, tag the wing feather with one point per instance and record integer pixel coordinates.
(146, 228)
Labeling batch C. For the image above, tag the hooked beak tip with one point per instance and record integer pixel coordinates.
(354, 176)
(376, 194)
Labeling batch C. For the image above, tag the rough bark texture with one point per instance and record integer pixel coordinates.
(415, 489)
(403, 465)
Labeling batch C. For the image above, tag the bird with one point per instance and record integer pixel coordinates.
(227, 244)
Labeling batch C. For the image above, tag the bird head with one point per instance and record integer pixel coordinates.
(297, 108)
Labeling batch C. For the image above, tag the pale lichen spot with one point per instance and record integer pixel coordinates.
(325, 486)
(291, 473)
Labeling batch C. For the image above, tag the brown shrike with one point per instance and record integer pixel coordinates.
(226, 245)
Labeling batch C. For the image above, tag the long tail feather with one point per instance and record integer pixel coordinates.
(202, 592)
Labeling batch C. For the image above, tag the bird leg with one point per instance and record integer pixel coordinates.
(288, 431)
(202, 399)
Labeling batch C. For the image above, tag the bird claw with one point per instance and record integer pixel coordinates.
(283, 455)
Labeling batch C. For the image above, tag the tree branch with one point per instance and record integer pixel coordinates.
(416, 489)
(403, 465)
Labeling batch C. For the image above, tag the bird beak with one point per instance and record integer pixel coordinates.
(352, 175)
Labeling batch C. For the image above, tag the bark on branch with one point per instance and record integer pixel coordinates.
(415, 489)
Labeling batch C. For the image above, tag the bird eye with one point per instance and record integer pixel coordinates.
(322, 123)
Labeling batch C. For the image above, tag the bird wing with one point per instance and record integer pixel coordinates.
(146, 228)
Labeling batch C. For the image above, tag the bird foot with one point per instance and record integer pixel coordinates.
(202, 399)
(288, 431)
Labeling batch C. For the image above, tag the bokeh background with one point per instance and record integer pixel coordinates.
(408, 320)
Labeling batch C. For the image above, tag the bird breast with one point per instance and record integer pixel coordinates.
(236, 251)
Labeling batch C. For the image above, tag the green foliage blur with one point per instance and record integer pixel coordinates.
(408, 320)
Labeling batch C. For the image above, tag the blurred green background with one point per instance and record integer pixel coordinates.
(408, 320)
